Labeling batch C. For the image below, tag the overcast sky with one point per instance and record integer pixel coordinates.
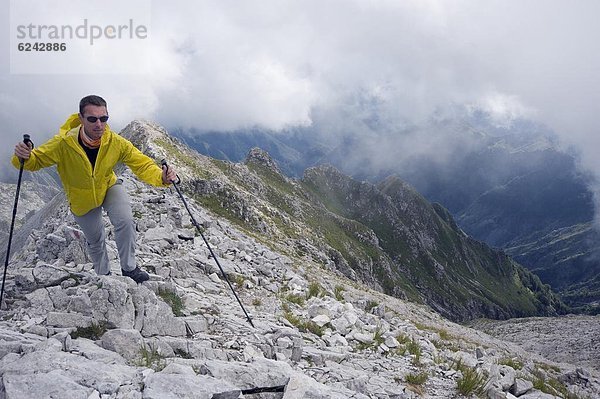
(231, 64)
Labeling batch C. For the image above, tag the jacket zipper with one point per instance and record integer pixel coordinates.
(91, 169)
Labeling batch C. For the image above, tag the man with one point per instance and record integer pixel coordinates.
(85, 151)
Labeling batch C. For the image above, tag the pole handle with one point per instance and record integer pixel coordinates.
(163, 164)
(26, 140)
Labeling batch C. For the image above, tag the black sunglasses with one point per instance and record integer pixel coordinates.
(93, 119)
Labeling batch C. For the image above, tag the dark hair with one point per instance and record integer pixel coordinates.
(91, 100)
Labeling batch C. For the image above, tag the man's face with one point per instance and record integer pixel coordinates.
(93, 130)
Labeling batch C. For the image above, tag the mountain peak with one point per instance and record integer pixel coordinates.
(261, 157)
(156, 142)
(148, 136)
(149, 129)
(324, 170)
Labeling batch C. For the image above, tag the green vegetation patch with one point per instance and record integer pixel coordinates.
(417, 378)
(516, 364)
(295, 299)
(552, 386)
(236, 279)
(173, 300)
(272, 178)
(219, 205)
(257, 302)
(471, 382)
(371, 305)
(93, 332)
(338, 293)
(414, 349)
(182, 159)
(314, 290)
(305, 326)
(151, 358)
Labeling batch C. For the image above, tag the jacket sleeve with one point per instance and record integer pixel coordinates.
(41, 157)
(141, 165)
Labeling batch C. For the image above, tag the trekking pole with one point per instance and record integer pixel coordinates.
(164, 164)
(27, 141)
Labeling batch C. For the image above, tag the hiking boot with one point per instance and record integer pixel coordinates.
(137, 275)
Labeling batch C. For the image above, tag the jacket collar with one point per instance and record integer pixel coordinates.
(70, 129)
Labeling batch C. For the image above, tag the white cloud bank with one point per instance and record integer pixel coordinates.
(223, 65)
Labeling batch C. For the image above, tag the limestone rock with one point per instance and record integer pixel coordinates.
(102, 377)
(53, 384)
(126, 343)
(66, 319)
(538, 395)
(113, 304)
(521, 387)
(260, 372)
(179, 386)
(321, 320)
(157, 319)
(47, 276)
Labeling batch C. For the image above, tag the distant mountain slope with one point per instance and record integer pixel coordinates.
(540, 213)
(510, 187)
(546, 195)
(294, 150)
(454, 273)
(387, 236)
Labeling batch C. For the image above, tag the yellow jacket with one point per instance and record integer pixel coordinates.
(86, 188)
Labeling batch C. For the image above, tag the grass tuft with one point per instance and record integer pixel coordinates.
(444, 334)
(472, 382)
(378, 337)
(173, 300)
(151, 358)
(417, 378)
(414, 349)
(552, 386)
(511, 362)
(403, 339)
(370, 306)
(236, 279)
(93, 332)
(314, 290)
(338, 292)
(306, 326)
(296, 299)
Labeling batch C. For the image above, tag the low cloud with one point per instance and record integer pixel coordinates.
(372, 69)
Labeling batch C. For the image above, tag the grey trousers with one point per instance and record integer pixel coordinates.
(116, 203)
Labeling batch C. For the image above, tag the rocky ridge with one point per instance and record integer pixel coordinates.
(387, 235)
(459, 277)
(512, 186)
(69, 333)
